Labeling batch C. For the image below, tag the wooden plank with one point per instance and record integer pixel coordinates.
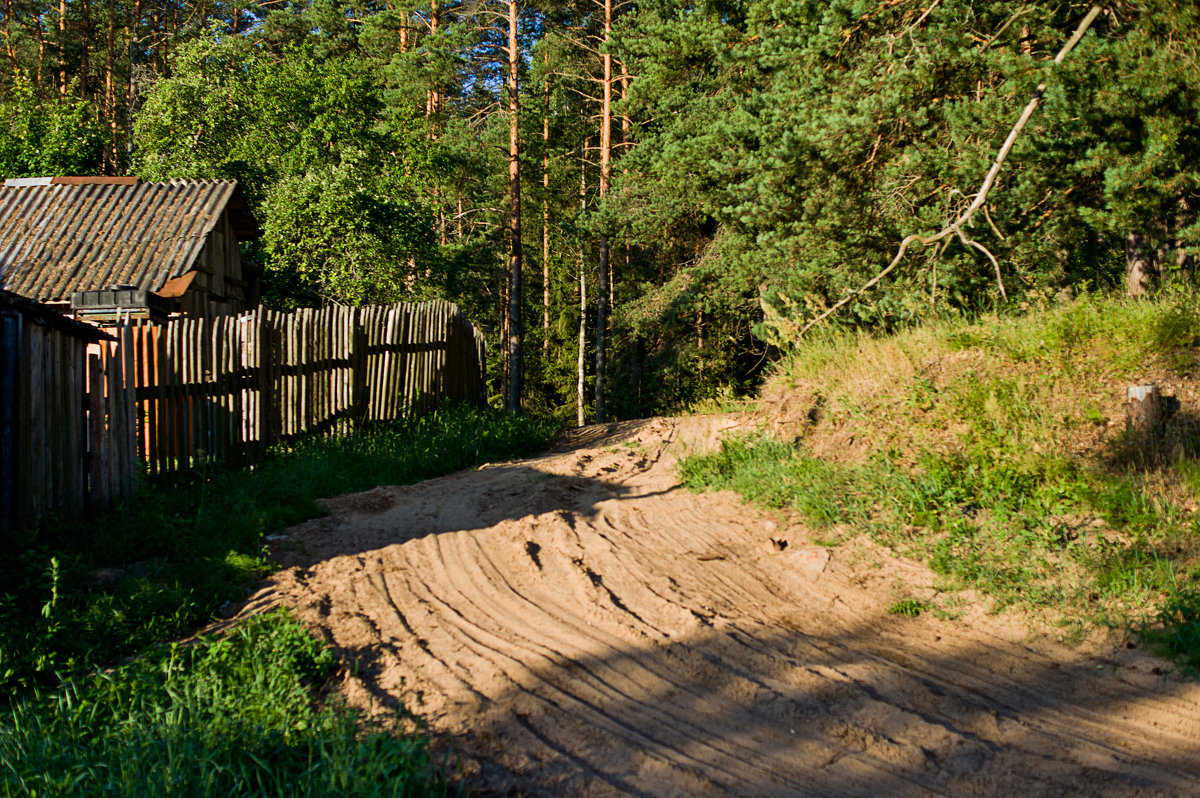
(439, 358)
(52, 391)
(380, 372)
(245, 328)
(358, 366)
(220, 389)
(370, 360)
(237, 438)
(296, 397)
(337, 372)
(35, 467)
(60, 447)
(112, 378)
(408, 373)
(249, 331)
(128, 412)
(266, 378)
(202, 375)
(145, 443)
(120, 426)
(95, 395)
(347, 374)
(426, 357)
(217, 388)
(199, 377)
(306, 381)
(156, 374)
(224, 387)
(292, 397)
(329, 371)
(430, 357)
(75, 414)
(112, 418)
(288, 376)
(188, 335)
(316, 337)
(168, 379)
(210, 342)
(452, 358)
(388, 359)
(245, 339)
(179, 451)
(329, 339)
(104, 421)
(393, 332)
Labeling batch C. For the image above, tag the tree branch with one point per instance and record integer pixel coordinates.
(984, 188)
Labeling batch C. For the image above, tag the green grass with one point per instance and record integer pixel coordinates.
(1175, 630)
(76, 596)
(909, 607)
(231, 716)
(994, 452)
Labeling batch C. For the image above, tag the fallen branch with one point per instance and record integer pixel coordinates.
(980, 196)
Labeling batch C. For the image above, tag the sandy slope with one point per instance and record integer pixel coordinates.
(576, 624)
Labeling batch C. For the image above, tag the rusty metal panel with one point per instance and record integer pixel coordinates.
(70, 235)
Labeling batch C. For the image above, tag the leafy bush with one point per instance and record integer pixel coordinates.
(228, 716)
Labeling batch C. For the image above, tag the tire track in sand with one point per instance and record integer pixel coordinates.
(575, 624)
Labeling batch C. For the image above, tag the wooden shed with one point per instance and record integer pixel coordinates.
(62, 444)
(99, 247)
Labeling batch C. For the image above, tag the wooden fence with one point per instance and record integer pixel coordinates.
(226, 388)
(67, 440)
(83, 414)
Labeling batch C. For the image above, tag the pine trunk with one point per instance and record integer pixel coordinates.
(110, 88)
(514, 192)
(546, 213)
(603, 278)
(62, 49)
(580, 412)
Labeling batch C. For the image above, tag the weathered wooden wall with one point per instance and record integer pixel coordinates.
(67, 440)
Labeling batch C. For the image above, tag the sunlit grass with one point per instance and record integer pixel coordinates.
(994, 451)
(221, 717)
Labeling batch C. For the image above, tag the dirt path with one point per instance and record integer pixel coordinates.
(579, 625)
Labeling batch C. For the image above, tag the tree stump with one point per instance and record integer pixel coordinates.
(1144, 416)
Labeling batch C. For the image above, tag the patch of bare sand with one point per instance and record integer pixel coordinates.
(577, 624)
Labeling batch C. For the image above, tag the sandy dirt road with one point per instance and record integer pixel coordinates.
(577, 624)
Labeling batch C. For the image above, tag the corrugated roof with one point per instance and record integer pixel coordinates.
(59, 238)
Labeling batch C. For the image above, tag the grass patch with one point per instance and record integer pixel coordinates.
(994, 451)
(1175, 630)
(909, 607)
(77, 596)
(231, 716)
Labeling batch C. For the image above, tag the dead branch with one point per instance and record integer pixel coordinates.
(984, 188)
(924, 14)
(992, 224)
(973, 243)
(1024, 9)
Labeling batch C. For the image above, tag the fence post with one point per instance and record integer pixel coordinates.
(358, 366)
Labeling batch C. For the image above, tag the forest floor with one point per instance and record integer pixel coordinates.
(579, 624)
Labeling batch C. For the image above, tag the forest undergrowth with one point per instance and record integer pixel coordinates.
(996, 452)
